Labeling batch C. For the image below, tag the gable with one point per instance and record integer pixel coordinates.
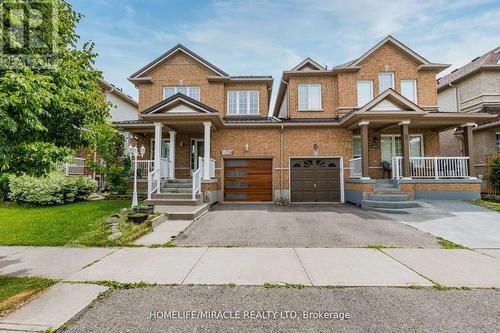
(176, 50)
(386, 105)
(389, 55)
(179, 103)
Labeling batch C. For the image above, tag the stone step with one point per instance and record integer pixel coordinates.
(386, 210)
(386, 185)
(173, 202)
(183, 190)
(183, 212)
(389, 204)
(169, 195)
(177, 185)
(388, 197)
(188, 180)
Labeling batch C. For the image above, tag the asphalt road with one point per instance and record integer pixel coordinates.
(269, 225)
(253, 309)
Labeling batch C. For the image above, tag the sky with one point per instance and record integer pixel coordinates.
(265, 37)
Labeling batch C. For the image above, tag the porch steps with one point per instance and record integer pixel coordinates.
(387, 198)
(182, 212)
(177, 202)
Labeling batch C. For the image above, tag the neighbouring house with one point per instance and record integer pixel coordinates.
(212, 137)
(473, 88)
(123, 107)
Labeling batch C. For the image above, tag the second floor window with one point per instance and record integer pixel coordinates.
(498, 142)
(385, 81)
(243, 102)
(309, 97)
(365, 92)
(191, 91)
(409, 89)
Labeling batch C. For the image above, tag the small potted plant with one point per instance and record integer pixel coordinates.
(144, 208)
(137, 217)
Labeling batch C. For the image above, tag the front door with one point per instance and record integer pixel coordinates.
(197, 150)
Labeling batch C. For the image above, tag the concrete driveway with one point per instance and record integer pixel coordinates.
(458, 221)
(269, 225)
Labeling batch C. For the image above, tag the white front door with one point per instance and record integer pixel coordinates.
(197, 146)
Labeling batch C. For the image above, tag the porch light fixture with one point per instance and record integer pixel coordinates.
(247, 147)
(134, 152)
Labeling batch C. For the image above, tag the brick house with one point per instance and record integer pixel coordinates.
(473, 88)
(324, 141)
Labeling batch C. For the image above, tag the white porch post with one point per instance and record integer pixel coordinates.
(206, 152)
(171, 153)
(158, 139)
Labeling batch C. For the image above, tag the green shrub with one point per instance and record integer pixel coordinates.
(495, 173)
(4, 186)
(53, 189)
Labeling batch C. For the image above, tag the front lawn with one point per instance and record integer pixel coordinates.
(490, 204)
(56, 225)
(16, 290)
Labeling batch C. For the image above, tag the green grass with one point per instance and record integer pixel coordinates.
(490, 204)
(98, 236)
(56, 225)
(15, 290)
(446, 244)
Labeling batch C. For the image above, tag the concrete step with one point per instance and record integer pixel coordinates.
(388, 190)
(389, 204)
(188, 180)
(173, 202)
(169, 195)
(183, 212)
(183, 190)
(387, 210)
(177, 185)
(388, 197)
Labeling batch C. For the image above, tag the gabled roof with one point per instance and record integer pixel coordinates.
(396, 43)
(393, 97)
(308, 62)
(170, 53)
(111, 88)
(177, 99)
(488, 60)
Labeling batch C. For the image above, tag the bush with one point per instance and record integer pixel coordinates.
(4, 186)
(53, 189)
(495, 173)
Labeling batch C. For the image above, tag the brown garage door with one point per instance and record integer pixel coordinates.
(315, 180)
(248, 180)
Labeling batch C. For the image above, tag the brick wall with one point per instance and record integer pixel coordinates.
(183, 70)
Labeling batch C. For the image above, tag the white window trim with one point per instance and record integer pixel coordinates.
(176, 90)
(414, 88)
(392, 75)
(152, 147)
(238, 113)
(393, 136)
(320, 97)
(371, 90)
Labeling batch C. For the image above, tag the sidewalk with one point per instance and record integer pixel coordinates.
(256, 266)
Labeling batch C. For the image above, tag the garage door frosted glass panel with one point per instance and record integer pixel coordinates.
(248, 180)
(315, 180)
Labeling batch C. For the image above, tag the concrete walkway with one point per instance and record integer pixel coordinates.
(218, 266)
(458, 221)
(256, 266)
(163, 232)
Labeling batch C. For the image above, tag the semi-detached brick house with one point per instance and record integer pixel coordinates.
(325, 140)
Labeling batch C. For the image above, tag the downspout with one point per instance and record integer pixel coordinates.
(282, 172)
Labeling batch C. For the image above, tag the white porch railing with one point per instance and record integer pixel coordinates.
(74, 166)
(432, 167)
(355, 167)
(155, 175)
(144, 167)
(197, 177)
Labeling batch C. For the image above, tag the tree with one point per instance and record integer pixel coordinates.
(495, 173)
(45, 111)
